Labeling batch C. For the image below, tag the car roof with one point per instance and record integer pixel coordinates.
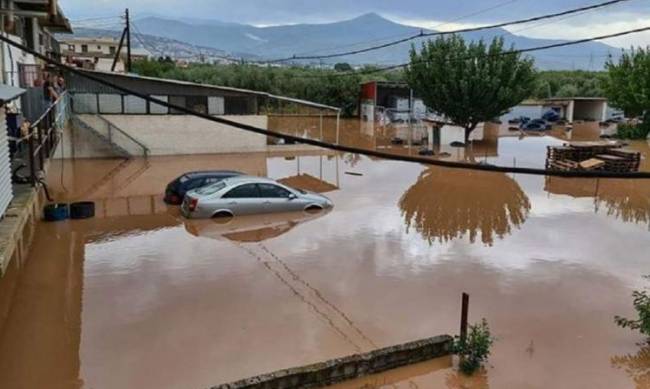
(204, 173)
(248, 179)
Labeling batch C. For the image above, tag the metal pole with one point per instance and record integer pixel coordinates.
(30, 149)
(128, 42)
(338, 124)
(41, 157)
(463, 317)
(321, 125)
(119, 50)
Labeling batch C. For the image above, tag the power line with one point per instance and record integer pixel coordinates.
(422, 34)
(330, 146)
(509, 52)
(140, 37)
(403, 35)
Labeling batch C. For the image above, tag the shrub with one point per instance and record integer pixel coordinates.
(633, 131)
(475, 350)
(641, 302)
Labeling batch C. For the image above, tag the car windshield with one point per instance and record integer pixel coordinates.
(299, 190)
(183, 179)
(210, 189)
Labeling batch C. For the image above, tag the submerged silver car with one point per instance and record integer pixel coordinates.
(245, 195)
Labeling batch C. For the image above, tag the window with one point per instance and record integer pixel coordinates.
(99, 48)
(112, 49)
(179, 101)
(197, 103)
(273, 191)
(84, 48)
(237, 105)
(246, 191)
(72, 48)
(211, 189)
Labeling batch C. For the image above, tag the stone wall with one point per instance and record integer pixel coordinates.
(350, 367)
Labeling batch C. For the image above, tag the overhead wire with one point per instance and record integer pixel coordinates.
(503, 53)
(326, 145)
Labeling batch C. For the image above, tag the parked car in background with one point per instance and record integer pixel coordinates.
(551, 116)
(246, 195)
(176, 190)
(536, 125)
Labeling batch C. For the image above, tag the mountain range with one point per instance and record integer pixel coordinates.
(254, 42)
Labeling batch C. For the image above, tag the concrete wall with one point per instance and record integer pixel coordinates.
(79, 143)
(590, 110)
(354, 366)
(172, 135)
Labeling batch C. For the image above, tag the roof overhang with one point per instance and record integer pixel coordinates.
(48, 15)
(217, 87)
(9, 93)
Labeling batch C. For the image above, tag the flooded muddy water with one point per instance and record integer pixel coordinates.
(138, 297)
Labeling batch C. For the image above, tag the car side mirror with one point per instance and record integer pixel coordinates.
(292, 196)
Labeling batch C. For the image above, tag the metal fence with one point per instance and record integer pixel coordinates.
(33, 149)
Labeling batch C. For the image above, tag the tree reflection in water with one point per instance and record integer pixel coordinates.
(627, 200)
(446, 204)
(637, 366)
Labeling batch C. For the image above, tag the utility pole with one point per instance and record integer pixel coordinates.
(128, 42)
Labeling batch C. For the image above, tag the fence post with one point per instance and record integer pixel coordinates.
(30, 149)
(41, 156)
(464, 317)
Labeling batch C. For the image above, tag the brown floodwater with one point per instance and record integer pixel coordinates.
(138, 297)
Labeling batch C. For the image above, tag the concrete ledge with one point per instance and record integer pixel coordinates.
(346, 368)
(18, 226)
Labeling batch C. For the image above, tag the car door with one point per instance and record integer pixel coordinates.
(243, 200)
(278, 199)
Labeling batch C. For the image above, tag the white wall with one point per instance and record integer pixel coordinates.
(172, 135)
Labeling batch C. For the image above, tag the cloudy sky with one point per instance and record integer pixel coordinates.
(424, 13)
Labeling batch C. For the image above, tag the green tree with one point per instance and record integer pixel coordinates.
(343, 67)
(469, 83)
(628, 83)
(641, 302)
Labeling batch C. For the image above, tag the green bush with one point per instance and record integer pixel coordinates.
(475, 350)
(641, 301)
(633, 131)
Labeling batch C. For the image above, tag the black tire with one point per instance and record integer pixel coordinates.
(82, 210)
(56, 212)
(223, 215)
(313, 209)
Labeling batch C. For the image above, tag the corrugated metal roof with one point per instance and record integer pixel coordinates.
(217, 87)
(8, 93)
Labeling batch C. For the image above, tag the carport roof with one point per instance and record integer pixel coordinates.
(218, 87)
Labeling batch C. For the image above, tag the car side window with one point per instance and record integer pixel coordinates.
(273, 191)
(245, 191)
(195, 183)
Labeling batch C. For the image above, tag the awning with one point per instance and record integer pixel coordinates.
(8, 93)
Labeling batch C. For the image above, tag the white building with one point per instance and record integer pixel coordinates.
(588, 109)
(98, 53)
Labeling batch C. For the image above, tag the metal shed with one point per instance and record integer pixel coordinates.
(7, 93)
